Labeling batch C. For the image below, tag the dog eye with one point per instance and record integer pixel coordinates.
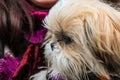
(66, 39)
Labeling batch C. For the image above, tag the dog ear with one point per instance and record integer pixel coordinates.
(109, 30)
(102, 29)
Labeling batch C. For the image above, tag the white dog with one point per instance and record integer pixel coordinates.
(83, 36)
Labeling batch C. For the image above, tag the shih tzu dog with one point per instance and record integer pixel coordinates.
(83, 36)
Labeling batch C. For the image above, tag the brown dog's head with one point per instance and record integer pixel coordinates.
(83, 35)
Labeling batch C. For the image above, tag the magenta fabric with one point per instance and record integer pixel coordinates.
(37, 36)
(8, 65)
(33, 56)
(29, 64)
(57, 77)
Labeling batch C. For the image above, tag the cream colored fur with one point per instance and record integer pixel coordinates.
(93, 28)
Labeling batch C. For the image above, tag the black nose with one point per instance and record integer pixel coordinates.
(52, 46)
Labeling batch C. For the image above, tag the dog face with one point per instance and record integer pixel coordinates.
(83, 36)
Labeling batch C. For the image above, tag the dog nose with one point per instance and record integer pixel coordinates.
(52, 46)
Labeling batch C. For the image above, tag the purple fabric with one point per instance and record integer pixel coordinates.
(8, 65)
(39, 14)
(37, 36)
(57, 77)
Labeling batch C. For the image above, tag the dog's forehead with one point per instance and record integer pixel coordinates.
(68, 14)
(71, 8)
